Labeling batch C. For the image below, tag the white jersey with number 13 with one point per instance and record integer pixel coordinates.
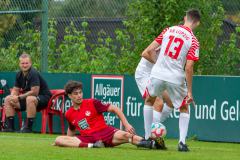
(178, 44)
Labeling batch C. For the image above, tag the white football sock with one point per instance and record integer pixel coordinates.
(156, 116)
(165, 112)
(148, 118)
(183, 126)
(90, 145)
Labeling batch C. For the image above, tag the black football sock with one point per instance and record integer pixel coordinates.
(10, 122)
(30, 122)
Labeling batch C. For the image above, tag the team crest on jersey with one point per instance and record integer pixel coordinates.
(87, 113)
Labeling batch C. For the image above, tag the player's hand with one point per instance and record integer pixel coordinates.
(189, 99)
(129, 128)
(13, 99)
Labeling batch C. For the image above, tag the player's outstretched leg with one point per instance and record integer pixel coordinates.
(98, 144)
(151, 144)
(67, 141)
(143, 143)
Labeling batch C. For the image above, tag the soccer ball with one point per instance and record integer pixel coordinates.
(158, 130)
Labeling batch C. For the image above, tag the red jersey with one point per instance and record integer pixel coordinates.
(88, 118)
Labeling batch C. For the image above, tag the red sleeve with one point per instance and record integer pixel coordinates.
(160, 37)
(193, 53)
(100, 107)
(71, 127)
(67, 115)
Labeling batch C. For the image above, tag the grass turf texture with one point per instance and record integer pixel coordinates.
(15, 146)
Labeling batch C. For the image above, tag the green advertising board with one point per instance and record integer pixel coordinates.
(133, 104)
(215, 117)
(109, 89)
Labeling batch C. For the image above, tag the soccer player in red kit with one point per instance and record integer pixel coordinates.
(86, 116)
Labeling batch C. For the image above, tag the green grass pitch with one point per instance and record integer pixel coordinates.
(15, 146)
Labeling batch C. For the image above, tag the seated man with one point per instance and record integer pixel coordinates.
(34, 95)
(86, 116)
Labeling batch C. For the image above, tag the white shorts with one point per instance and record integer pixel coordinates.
(142, 84)
(177, 93)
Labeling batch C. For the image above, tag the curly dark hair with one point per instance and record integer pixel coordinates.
(71, 86)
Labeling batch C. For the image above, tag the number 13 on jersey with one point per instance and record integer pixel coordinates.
(174, 47)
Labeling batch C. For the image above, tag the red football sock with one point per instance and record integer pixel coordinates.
(83, 145)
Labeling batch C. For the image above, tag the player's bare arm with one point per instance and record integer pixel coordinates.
(150, 52)
(71, 132)
(33, 92)
(119, 113)
(15, 91)
(189, 76)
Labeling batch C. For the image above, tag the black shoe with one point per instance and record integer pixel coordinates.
(160, 144)
(98, 144)
(25, 130)
(182, 147)
(147, 144)
(8, 130)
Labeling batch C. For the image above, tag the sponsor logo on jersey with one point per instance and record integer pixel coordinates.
(83, 124)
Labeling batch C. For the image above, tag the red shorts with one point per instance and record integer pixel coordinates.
(105, 135)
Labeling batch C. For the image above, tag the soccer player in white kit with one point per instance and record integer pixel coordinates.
(161, 110)
(173, 69)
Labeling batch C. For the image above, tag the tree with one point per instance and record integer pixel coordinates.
(146, 20)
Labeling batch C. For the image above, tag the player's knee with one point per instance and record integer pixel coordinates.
(158, 105)
(7, 99)
(184, 109)
(8, 103)
(58, 141)
(127, 135)
(150, 100)
(157, 108)
(31, 99)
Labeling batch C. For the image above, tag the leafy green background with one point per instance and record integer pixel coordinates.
(144, 20)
